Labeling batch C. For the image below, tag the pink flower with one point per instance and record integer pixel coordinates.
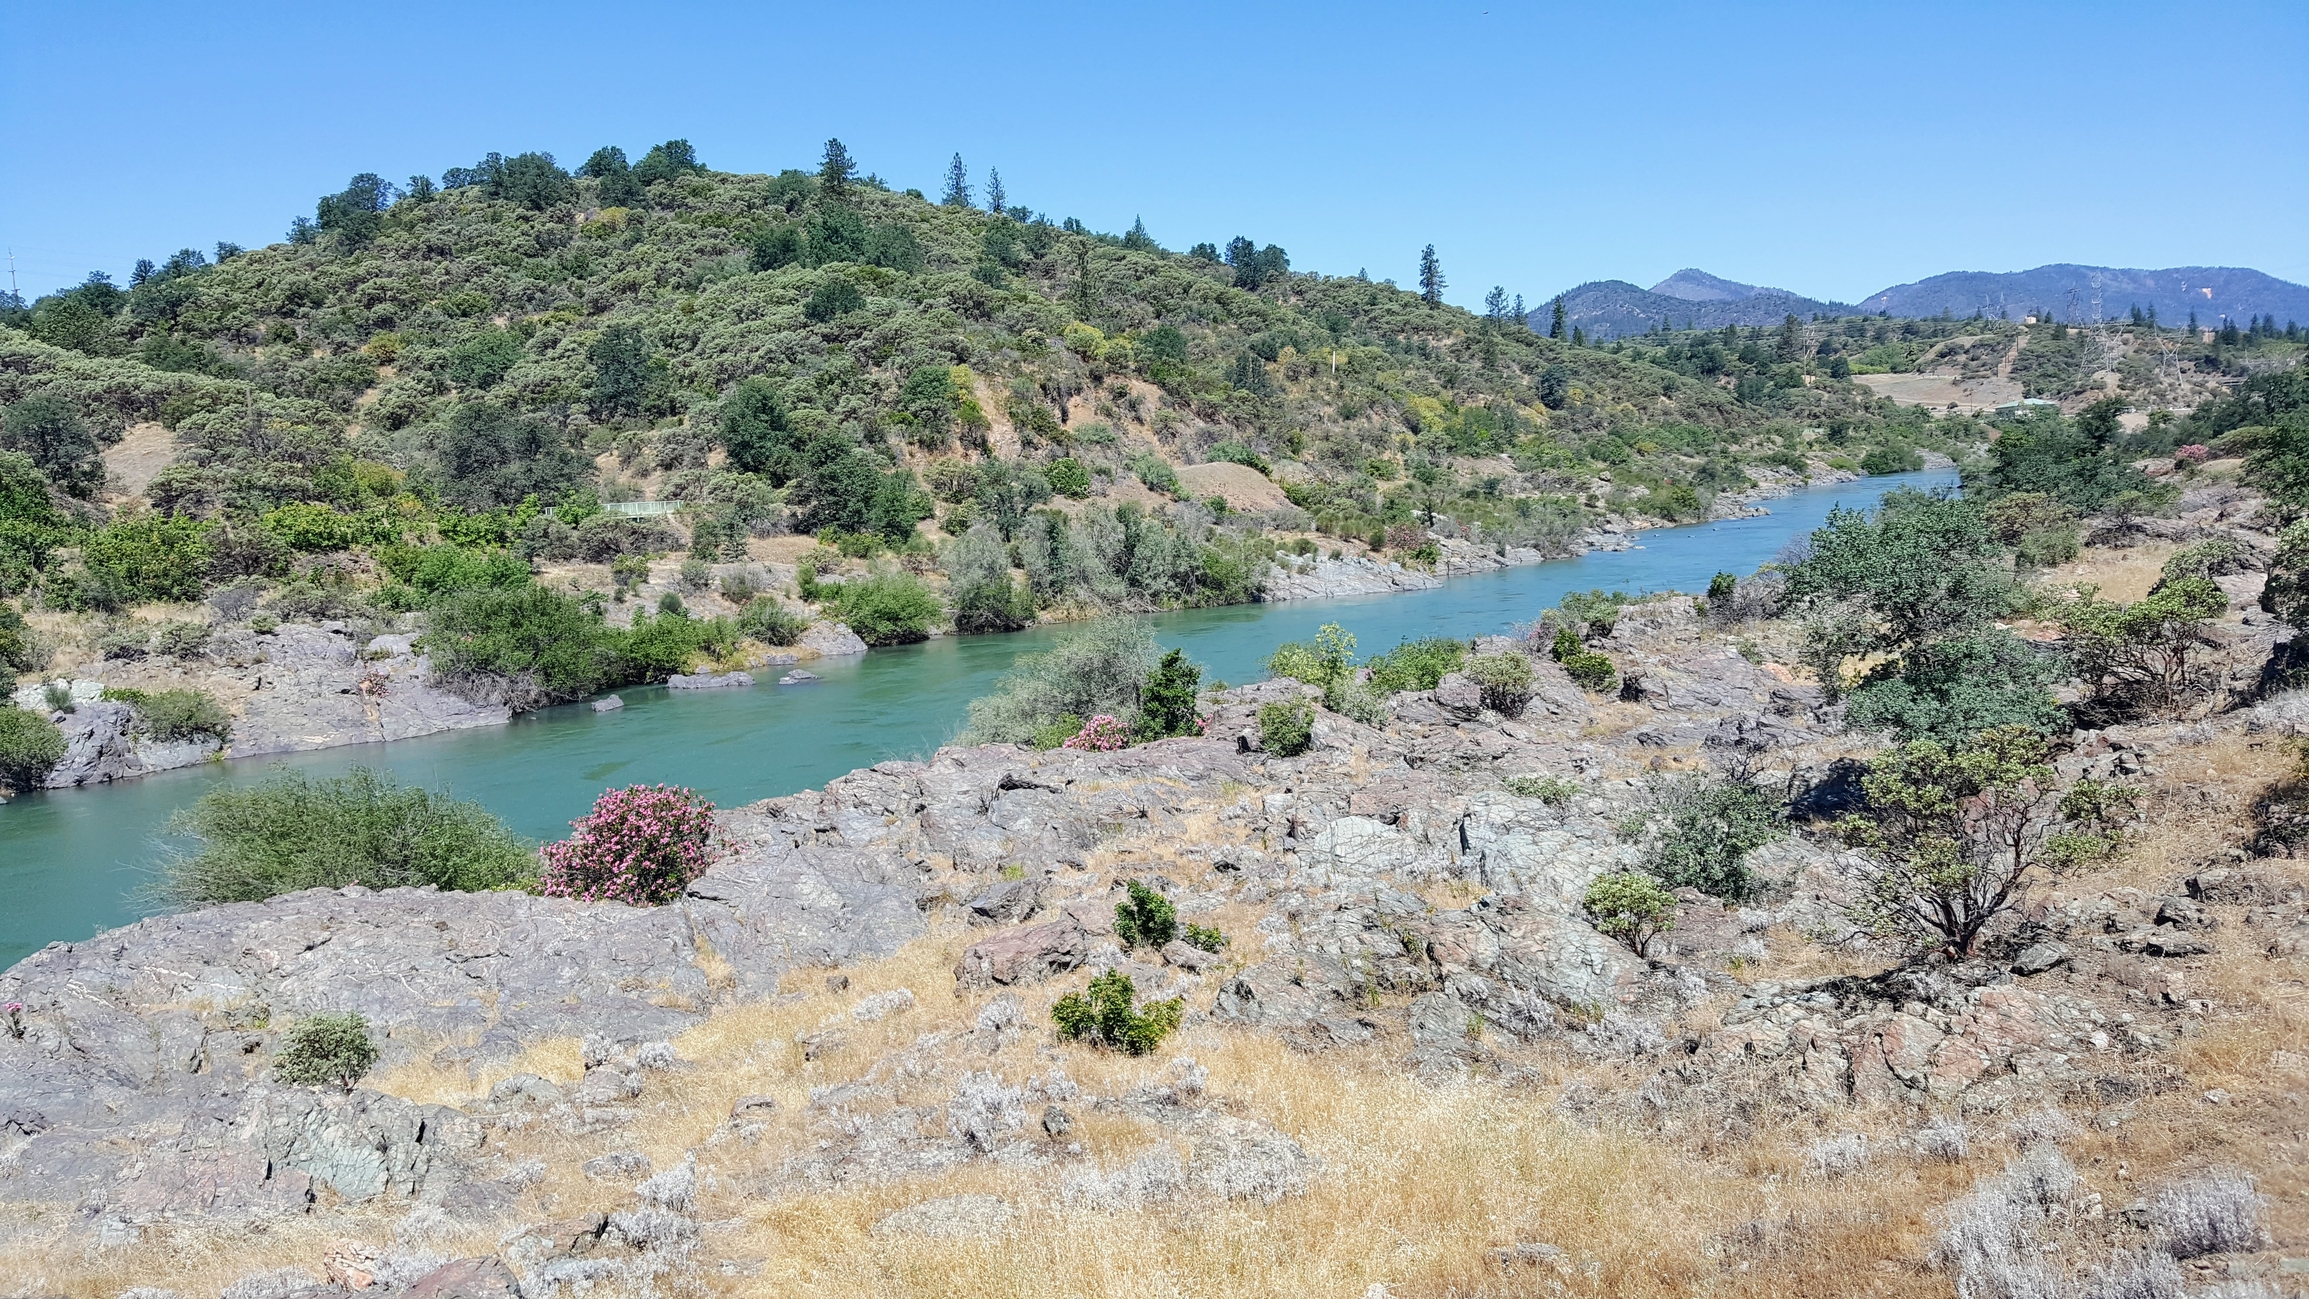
(2195, 453)
(640, 845)
(1101, 734)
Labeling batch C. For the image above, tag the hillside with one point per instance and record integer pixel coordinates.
(1030, 419)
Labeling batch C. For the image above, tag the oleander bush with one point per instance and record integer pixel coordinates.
(641, 845)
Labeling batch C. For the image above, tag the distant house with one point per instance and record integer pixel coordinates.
(2025, 406)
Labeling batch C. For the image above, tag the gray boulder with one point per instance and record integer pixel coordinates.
(831, 640)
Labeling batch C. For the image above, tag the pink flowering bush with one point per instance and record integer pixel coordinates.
(1101, 734)
(640, 845)
(2194, 453)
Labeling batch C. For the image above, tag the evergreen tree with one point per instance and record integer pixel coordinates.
(837, 170)
(1431, 280)
(1555, 322)
(1578, 336)
(1791, 338)
(957, 184)
(1521, 317)
(2192, 320)
(995, 198)
(1138, 239)
(1495, 302)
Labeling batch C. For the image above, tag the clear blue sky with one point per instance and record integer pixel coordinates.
(1833, 150)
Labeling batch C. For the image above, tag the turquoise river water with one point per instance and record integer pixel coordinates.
(73, 862)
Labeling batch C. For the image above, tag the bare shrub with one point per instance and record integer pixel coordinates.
(2134, 1274)
(1988, 1239)
(984, 1110)
(1946, 1139)
(2213, 1213)
(2046, 1124)
(1838, 1156)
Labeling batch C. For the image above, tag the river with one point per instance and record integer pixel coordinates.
(73, 862)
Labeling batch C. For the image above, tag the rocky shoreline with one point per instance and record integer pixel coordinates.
(304, 687)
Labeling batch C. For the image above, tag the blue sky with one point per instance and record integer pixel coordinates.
(1832, 150)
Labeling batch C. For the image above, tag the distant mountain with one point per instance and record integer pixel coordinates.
(2211, 291)
(1695, 285)
(1612, 308)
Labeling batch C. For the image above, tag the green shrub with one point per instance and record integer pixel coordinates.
(1167, 703)
(523, 646)
(172, 716)
(1702, 829)
(326, 1051)
(292, 832)
(1593, 614)
(1238, 454)
(1105, 1016)
(887, 607)
(435, 572)
(181, 639)
(2049, 547)
(1146, 918)
(767, 619)
(1587, 669)
(1630, 907)
(1095, 668)
(30, 747)
(1551, 790)
(1060, 729)
(1286, 728)
(1322, 664)
(1067, 477)
(1891, 458)
(696, 575)
(145, 558)
(1721, 587)
(1506, 681)
(1206, 938)
(1155, 472)
(19, 648)
(628, 571)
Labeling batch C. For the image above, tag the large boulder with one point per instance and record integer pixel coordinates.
(1022, 956)
(830, 640)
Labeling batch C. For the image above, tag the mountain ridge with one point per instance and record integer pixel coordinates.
(1613, 308)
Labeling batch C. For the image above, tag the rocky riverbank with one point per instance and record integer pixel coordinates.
(847, 1017)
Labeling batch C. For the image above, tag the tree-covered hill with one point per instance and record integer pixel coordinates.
(483, 360)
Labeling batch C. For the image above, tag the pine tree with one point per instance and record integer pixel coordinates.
(1791, 338)
(1555, 323)
(994, 195)
(835, 172)
(957, 184)
(1578, 336)
(1520, 317)
(2192, 320)
(1430, 277)
(1495, 302)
